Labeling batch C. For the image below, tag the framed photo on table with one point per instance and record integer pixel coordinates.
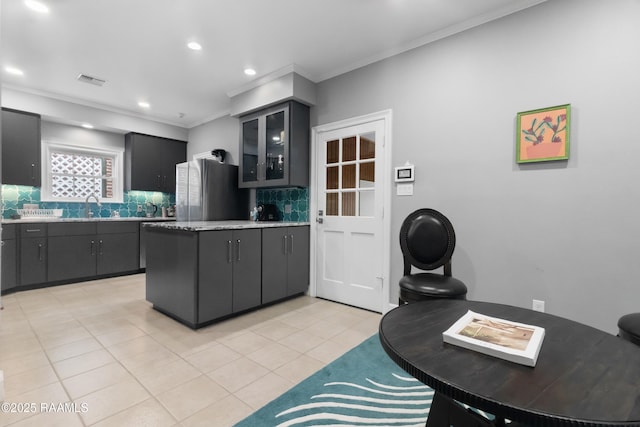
(543, 135)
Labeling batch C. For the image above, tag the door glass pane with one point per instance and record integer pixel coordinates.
(333, 151)
(349, 204)
(275, 145)
(367, 174)
(332, 204)
(368, 146)
(349, 149)
(349, 176)
(332, 178)
(250, 151)
(366, 202)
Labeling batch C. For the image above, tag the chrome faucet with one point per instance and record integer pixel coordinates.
(87, 211)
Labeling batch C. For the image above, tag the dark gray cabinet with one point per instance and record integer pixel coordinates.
(86, 249)
(150, 162)
(198, 277)
(247, 261)
(9, 257)
(215, 273)
(285, 262)
(21, 145)
(117, 247)
(33, 254)
(274, 146)
(172, 274)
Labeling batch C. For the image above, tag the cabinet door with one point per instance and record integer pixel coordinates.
(117, 253)
(249, 135)
(9, 265)
(72, 257)
(143, 162)
(274, 264)
(215, 275)
(298, 260)
(173, 152)
(20, 148)
(247, 269)
(33, 260)
(275, 147)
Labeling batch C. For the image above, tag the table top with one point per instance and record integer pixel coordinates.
(583, 376)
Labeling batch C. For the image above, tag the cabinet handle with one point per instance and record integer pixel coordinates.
(32, 230)
(291, 244)
(158, 177)
(284, 244)
(91, 248)
(33, 171)
(238, 254)
(100, 247)
(40, 245)
(229, 251)
(164, 182)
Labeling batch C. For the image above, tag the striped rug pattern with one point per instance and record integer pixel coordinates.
(361, 388)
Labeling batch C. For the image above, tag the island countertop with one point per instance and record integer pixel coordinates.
(220, 225)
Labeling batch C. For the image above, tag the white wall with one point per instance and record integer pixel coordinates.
(221, 133)
(75, 114)
(563, 232)
(73, 135)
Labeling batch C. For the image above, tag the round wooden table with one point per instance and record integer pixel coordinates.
(583, 376)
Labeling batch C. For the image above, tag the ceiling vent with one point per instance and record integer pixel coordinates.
(91, 80)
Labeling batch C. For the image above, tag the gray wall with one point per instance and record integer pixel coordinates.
(563, 232)
(219, 133)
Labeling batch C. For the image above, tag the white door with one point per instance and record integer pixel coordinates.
(349, 202)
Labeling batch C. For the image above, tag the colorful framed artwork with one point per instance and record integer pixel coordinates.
(543, 135)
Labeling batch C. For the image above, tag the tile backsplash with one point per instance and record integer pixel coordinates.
(298, 198)
(15, 196)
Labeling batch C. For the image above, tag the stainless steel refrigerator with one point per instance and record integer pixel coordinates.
(207, 190)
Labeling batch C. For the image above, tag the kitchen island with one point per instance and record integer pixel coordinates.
(199, 272)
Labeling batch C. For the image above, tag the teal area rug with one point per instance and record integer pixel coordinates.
(362, 387)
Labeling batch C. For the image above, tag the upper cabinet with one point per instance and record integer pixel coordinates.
(20, 148)
(275, 147)
(150, 162)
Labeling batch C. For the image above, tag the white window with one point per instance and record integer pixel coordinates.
(72, 173)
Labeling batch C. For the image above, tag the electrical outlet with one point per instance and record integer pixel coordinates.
(538, 305)
(139, 209)
(287, 208)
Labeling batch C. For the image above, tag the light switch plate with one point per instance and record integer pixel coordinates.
(404, 189)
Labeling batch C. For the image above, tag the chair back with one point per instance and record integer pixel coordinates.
(427, 241)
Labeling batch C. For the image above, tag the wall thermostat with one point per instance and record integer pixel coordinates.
(405, 173)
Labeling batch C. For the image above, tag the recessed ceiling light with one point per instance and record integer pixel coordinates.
(87, 125)
(144, 104)
(14, 71)
(36, 6)
(194, 46)
(250, 71)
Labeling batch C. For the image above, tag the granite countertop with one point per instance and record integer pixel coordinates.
(220, 225)
(93, 219)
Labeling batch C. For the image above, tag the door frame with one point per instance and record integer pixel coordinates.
(386, 117)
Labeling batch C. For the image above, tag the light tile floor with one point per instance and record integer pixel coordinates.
(100, 346)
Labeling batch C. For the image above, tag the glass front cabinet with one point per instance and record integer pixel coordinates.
(275, 147)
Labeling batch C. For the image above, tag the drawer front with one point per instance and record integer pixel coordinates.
(33, 230)
(8, 231)
(72, 229)
(112, 227)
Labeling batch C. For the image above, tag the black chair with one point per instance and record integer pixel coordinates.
(427, 241)
(629, 328)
